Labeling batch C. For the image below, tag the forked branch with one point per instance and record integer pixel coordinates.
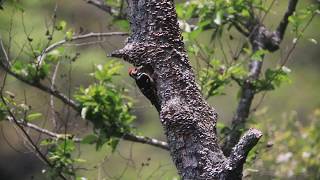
(260, 38)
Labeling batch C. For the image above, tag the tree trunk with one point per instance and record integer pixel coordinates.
(189, 122)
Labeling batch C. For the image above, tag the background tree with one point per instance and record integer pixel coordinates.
(156, 44)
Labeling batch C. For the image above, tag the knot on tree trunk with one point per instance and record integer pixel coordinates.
(265, 39)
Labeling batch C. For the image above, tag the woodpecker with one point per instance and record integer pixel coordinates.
(143, 77)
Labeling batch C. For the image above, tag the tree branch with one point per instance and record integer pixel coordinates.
(34, 146)
(101, 5)
(65, 99)
(282, 27)
(239, 153)
(43, 130)
(240, 29)
(128, 137)
(146, 140)
(6, 57)
(74, 38)
(246, 98)
(261, 39)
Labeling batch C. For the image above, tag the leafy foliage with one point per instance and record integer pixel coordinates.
(300, 18)
(118, 14)
(292, 147)
(106, 107)
(272, 79)
(21, 111)
(217, 14)
(217, 76)
(55, 55)
(31, 71)
(60, 156)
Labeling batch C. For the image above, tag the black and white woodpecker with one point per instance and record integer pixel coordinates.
(143, 77)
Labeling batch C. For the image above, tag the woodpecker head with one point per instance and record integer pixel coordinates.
(141, 75)
(133, 72)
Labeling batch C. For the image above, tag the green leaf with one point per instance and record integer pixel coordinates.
(31, 71)
(189, 11)
(34, 116)
(258, 55)
(108, 71)
(43, 71)
(53, 56)
(69, 34)
(245, 13)
(47, 142)
(114, 143)
(61, 25)
(220, 125)
(195, 33)
(179, 10)
(122, 24)
(90, 139)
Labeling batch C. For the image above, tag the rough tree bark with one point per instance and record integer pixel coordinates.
(189, 122)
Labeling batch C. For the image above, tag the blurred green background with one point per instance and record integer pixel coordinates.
(280, 111)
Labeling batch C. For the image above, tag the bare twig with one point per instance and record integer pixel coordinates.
(101, 5)
(74, 38)
(52, 109)
(268, 10)
(146, 140)
(43, 130)
(50, 34)
(25, 133)
(121, 12)
(129, 137)
(29, 39)
(240, 29)
(42, 87)
(7, 140)
(295, 43)
(6, 57)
